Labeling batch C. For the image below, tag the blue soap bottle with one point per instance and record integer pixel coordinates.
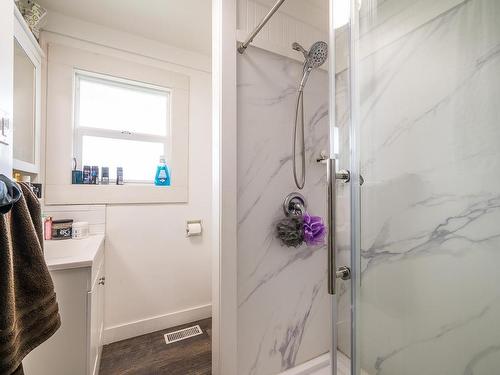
(162, 177)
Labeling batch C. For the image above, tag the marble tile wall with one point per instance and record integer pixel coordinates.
(430, 142)
(430, 152)
(283, 305)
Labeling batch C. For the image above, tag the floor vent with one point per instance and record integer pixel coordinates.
(182, 334)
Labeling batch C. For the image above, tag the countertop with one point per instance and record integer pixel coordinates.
(66, 254)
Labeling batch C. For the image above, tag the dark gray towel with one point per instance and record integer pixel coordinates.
(29, 313)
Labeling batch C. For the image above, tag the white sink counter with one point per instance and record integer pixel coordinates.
(66, 254)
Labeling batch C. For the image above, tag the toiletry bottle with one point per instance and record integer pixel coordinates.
(92, 174)
(162, 177)
(119, 175)
(95, 175)
(47, 228)
(105, 176)
(87, 178)
(37, 189)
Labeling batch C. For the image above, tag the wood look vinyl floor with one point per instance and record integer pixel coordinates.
(149, 355)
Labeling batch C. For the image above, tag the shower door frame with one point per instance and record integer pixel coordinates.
(354, 172)
(224, 188)
(332, 179)
(355, 187)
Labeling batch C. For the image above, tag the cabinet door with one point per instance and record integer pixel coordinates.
(65, 352)
(96, 321)
(27, 98)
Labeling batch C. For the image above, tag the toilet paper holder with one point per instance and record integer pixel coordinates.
(192, 229)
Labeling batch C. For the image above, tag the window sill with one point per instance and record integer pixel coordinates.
(114, 194)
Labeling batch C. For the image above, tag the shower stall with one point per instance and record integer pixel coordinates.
(402, 161)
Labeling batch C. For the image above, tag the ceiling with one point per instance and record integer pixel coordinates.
(180, 23)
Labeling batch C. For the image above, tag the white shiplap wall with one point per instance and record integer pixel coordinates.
(95, 215)
(296, 21)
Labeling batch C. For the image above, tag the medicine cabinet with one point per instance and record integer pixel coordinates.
(26, 117)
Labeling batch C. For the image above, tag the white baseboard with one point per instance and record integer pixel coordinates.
(144, 326)
(310, 367)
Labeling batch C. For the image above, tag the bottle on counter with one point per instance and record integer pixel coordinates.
(105, 176)
(47, 228)
(95, 175)
(87, 174)
(119, 175)
(162, 177)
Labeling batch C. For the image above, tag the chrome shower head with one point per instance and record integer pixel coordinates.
(315, 57)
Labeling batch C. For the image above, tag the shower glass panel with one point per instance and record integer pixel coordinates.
(425, 131)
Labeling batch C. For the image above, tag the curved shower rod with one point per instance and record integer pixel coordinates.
(243, 46)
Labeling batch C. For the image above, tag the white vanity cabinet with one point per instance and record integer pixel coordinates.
(77, 269)
(95, 320)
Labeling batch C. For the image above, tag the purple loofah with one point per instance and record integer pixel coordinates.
(314, 230)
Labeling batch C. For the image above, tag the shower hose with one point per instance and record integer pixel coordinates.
(299, 126)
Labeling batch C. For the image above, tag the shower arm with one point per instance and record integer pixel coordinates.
(243, 46)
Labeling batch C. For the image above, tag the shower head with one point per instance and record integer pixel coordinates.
(317, 54)
(314, 58)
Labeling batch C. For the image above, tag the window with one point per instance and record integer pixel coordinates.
(106, 121)
(121, 123)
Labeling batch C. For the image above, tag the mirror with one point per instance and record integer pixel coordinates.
(24, 121)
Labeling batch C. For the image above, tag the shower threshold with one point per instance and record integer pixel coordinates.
(321, 366)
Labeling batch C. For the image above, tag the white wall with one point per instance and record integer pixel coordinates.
(302, 21)
(156, 277)
(6, 77)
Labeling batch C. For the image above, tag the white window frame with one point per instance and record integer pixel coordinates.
(81, 131)
(62, 61)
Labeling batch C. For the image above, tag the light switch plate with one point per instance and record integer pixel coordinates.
(5, 127)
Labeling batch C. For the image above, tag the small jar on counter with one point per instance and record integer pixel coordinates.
(62, 229)
(80, 230)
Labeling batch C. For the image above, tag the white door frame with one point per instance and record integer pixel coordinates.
(224, 193)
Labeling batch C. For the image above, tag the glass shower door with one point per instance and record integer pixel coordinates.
(425, 136)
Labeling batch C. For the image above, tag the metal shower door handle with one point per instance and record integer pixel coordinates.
(342, 272)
